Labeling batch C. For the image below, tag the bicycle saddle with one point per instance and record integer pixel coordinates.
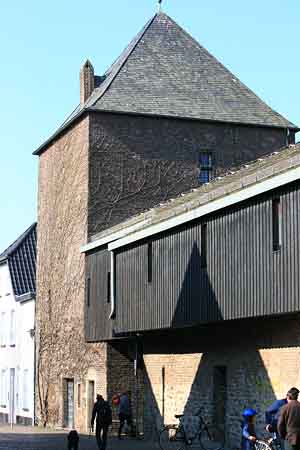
(177, 416)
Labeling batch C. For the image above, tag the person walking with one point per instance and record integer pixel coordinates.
(102, 414)
(289, 420)
(125, 414)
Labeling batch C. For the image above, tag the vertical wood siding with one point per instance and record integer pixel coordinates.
(97, 323)
(244, 277)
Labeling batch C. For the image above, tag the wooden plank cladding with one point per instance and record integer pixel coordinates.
(224, 266)
(97, 305)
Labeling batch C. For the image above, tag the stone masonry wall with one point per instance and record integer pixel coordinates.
(262, 359)
(62, 229)
(137, 162)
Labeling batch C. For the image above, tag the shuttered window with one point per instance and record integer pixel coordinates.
(108, 290)
(149, 257)
(203, 245)
(277, 224)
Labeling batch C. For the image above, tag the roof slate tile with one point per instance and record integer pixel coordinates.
(165, 72)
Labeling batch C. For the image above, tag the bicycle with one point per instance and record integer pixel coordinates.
(173, 437)
(271, 444)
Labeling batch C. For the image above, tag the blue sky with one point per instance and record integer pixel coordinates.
(43, 45)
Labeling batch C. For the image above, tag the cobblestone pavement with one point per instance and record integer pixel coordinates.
(28, 438)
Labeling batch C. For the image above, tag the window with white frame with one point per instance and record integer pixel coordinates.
(25, 390)
(12, 331)
(18, 387)
(3, 327)
(3, 388)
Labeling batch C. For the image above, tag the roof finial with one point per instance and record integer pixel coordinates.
(159, 6)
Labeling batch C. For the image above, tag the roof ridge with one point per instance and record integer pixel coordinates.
(197, 44)
(17, 242)
(122, 59)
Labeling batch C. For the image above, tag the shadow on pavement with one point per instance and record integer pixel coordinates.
(14, 440)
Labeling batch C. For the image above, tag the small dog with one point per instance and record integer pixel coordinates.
(73, 440)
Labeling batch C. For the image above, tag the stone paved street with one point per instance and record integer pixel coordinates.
(27, 438)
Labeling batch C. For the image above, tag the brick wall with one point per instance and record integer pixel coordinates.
(62, 229)
(137, 162)
(262, 358)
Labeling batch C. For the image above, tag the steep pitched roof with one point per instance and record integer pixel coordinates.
(165, 72)
(21, 257)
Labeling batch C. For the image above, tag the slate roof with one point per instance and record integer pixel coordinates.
(165, 72)
(21, 258)
(234, 181)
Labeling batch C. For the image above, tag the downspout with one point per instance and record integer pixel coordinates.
(34, 364)
(112, 286)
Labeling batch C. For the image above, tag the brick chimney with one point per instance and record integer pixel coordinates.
(87, 81)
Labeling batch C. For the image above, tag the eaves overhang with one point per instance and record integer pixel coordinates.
(92, 109)
(25, 297)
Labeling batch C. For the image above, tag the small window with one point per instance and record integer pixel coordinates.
(149, 262)
(18, 387)
(277, 224)
(205, 165)
(3, 327)
(203, 245)
(25, 396)
(12, 333)
(3, 388)
(88, 291)
(79, 395)
(108, 287)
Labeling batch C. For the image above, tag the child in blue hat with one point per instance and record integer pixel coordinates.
(248, 429)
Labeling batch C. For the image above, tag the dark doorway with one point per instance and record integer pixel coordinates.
(220, 396)
(69, 403)
(90, 401)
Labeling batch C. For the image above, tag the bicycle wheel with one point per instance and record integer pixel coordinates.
(172, 438)
(262, 445)
(212, 438)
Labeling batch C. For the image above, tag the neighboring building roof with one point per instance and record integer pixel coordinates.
(251, 179)
(165, 72)
(21, 258)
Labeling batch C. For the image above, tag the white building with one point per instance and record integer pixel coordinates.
(17, 312)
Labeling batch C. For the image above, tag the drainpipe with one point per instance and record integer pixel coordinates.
(34, 363)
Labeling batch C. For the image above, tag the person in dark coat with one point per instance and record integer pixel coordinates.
(248, 429)
(289, 420)
(125, 414)
(102, 414)
(272, 415)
